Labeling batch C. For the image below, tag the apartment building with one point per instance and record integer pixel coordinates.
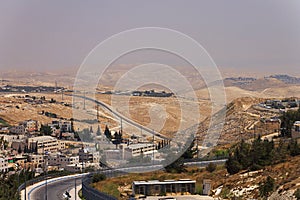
(89, 156)
(61, 160)
(46, 144)
(4, 165)
(36, 160)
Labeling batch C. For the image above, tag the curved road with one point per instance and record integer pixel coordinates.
(55, 190)
(126, 119)
(58, 188)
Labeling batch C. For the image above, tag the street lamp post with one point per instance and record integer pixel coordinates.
(45, 173)
(25, 182)
(75, 190)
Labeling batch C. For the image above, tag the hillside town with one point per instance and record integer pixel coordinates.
(42, 148)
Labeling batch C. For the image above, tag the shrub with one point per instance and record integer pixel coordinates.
(199, 189)
(98, 177)
(266, 187)
(211, 167)
(297, 194)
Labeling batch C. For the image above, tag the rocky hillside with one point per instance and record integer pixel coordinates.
(242, 117)
(245, 185)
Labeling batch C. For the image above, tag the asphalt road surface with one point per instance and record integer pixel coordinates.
(55, 190)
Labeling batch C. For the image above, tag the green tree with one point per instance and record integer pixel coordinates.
(255, 156)
(72, 125)
(107, 133)
(98, 177)
(175, 167)
(85, 135)
(266, 187)
(191, 150)
(46, 130)
(294, 148)
(19, 149)
(118, 137)
(232, 165)
(211, 167)
(297, 194)
(98, 133)
(287, 120)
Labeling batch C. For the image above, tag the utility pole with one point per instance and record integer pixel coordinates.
(62, 94)
(25, 183)
(153, 148)
(83, 100)
(75, 190)
(55, 90)
(121, 126)
(97, 107)
(82, 156)
(197, 143)
(45, 173)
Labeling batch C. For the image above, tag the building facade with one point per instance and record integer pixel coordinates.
(89, 156)
(4, 165)
(296, 130)
(62, 160)
(167, 187)
(46, 144)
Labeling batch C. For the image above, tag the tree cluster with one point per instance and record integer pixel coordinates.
(107, 133)
(260, 153)
(287, 121)
(45, 130)
(162, 144)
(9, 184)
(86, 135)
(178, 165)
(98, 177)
(250, 156)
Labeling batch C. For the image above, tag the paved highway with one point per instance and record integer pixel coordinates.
(55, 190)
(124, 118)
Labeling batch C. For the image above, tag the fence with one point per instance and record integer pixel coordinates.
(41, 178)
(90, 193)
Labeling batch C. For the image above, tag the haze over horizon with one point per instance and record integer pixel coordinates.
(254, 36)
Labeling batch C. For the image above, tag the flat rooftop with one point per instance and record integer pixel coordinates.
(182, 197)
(42, 138)
(140, 145)
(157, 182)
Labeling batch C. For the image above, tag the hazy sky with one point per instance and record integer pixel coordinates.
(58, 34)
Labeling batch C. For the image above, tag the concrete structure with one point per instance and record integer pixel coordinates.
(125, 152)
(63, 126)
(16, 144)
(30, 125)
(113, 154)
(46, 144)
(167, 187)
(206, 186)
(62, 160)
(4, 165)
(11, 138)
(20, 130)
(36, 161)
(73, 167)
(296, 130)
(140, 148)
(89, 156)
